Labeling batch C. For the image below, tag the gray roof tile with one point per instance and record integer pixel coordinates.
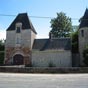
(26, 23)
(48, 44)
(84, 20)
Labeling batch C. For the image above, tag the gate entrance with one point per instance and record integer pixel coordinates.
(18, 59)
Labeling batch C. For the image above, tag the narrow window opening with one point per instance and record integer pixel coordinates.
(18, 30)
(82, 33)
(18, 41)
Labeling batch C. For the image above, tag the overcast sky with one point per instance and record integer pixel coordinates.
(44, 8)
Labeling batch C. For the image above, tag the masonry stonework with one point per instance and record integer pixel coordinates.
(56, 58)
(22, 47)
(19, 41)
(24, 51)
(83, 42)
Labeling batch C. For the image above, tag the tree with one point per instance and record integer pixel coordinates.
(1, 58)
(61, 25)
(75, 42)
(2, 47)
(85, 55)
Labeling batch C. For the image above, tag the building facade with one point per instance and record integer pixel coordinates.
(22, 47)
(19, 40)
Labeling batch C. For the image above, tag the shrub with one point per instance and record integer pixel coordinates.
(85, 55)
(75, 42)
(51, 64)
(1, 58)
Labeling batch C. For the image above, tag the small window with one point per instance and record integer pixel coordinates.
(82, 33)
(18, 41)
(18, 30)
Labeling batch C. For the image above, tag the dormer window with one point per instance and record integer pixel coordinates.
(18, 30)
(18, 27)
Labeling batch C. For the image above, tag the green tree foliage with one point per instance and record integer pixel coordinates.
(75, 42)
(2, 47)
(1, 58)
(85, 55)
(61, 25)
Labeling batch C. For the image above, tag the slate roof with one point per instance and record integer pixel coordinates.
(48, 44)
(84, 20)
(26, 23)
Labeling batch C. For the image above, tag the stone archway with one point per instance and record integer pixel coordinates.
(18, 59)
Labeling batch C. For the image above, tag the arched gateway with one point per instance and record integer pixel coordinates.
(18, 59)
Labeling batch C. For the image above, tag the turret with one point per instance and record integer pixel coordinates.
(83, 35)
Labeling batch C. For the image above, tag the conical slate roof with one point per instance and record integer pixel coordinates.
(26, 23)
(84, 20)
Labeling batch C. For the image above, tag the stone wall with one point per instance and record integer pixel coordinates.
(26, 38)
(20, 69)
(24, 47)
(75, 60)
(10, 39)
(33, 36)
(83, 42)
(51, 58)
(12, 51)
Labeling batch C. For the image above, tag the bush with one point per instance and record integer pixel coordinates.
(75, 42)
(51, 64)
(2, 47)
(1, 58)
(28, 65)
(85, 55)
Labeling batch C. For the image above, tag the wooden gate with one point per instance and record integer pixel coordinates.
(18, 59)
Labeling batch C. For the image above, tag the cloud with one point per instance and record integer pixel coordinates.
(2, 34)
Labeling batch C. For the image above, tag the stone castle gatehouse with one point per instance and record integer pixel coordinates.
(22, 47)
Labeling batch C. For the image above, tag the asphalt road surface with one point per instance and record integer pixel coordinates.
(9, 80)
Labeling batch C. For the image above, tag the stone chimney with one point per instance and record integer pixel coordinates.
(50, 35)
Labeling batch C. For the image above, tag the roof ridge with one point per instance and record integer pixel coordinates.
(31, 24)
(22, 13)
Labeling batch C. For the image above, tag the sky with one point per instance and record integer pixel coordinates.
(43, 8)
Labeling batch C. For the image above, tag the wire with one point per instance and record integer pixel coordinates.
(29, 16)
(42, 17)
(6, 15)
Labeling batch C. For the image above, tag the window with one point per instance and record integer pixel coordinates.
(82, 33)
(18, 30)
(18, 41)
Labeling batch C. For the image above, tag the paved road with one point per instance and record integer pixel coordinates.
(8, 80)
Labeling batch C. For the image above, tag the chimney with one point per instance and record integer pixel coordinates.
(50, 35)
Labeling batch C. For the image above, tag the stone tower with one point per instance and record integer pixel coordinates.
(83, 35)
(20, 36)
